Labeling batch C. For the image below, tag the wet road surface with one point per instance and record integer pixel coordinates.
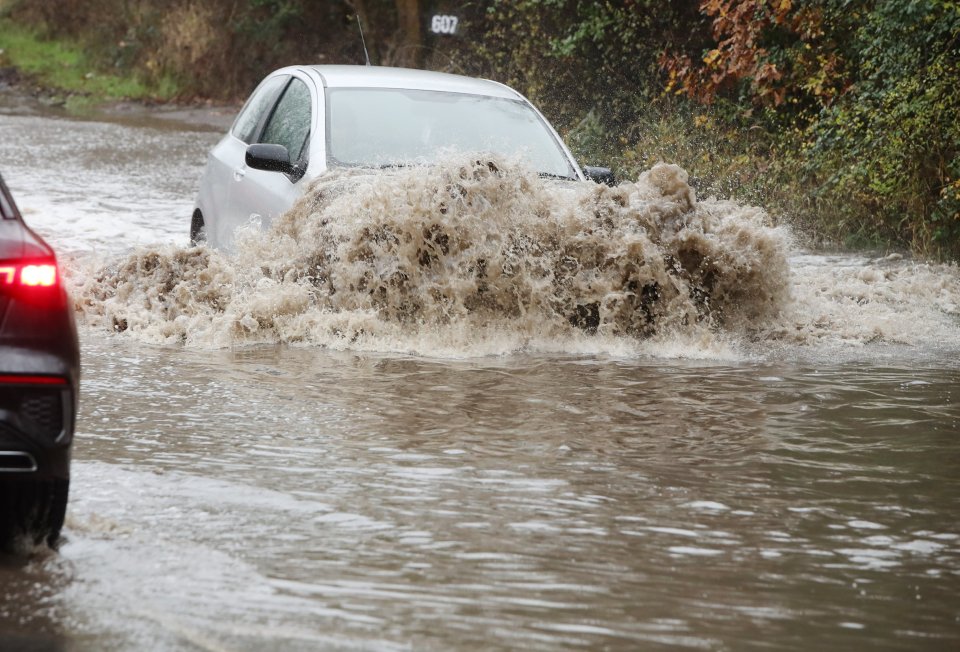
(300, 498)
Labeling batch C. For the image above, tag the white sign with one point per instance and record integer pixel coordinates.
(443, 24)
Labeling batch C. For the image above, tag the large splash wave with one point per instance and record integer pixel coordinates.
(472, 257)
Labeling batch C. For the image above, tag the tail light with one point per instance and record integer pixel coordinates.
(32, 281)
(42, 276)
(26, 379)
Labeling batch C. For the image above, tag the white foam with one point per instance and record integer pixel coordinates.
(479, 258)
(469, 258)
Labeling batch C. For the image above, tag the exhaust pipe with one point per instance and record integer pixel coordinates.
(17, 462)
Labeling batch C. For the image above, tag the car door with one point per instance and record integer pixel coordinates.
(225, 164)
(259, 196)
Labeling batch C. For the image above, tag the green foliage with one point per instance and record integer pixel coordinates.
(860, 97)
(209, 48)
(574, 56)
(842, 116)
(891, 145)
(65, 65)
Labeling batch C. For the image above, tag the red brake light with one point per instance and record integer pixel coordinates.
(38, 275)
(35, 274)
(35, 281)
(8, 275)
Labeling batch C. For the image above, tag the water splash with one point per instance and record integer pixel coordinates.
(470, 254)
(477, 257)
(854, 301)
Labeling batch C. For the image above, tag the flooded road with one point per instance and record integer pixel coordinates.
(796, 490)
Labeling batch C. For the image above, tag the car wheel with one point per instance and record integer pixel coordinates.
(32, 513)
(198, 230)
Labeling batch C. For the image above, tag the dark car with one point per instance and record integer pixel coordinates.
(39, 375)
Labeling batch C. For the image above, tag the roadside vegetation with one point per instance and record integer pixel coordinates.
(839, 116)
(63, 72)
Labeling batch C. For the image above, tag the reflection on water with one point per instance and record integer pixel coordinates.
(802, 495)
(237, 500)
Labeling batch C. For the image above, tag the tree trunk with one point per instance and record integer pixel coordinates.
(412, 48)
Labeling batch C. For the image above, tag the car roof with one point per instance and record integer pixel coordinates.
(384, 77)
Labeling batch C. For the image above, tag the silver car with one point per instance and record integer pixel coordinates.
(304, 120)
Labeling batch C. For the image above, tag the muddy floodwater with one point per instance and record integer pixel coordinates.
(364, 477)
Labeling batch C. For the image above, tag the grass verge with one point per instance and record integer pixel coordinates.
(67, 75)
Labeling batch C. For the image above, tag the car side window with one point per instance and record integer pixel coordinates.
(262, 100)
(290, 123)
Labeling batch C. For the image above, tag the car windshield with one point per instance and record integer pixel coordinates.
(377, 127)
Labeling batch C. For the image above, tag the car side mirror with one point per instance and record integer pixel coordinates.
(271, 158)
(600, 175)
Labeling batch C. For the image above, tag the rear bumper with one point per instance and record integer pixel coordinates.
(23, 459)
(37, 419)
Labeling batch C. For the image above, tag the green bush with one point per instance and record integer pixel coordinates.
(841, 116)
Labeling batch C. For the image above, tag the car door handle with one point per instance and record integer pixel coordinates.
(239, 173)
